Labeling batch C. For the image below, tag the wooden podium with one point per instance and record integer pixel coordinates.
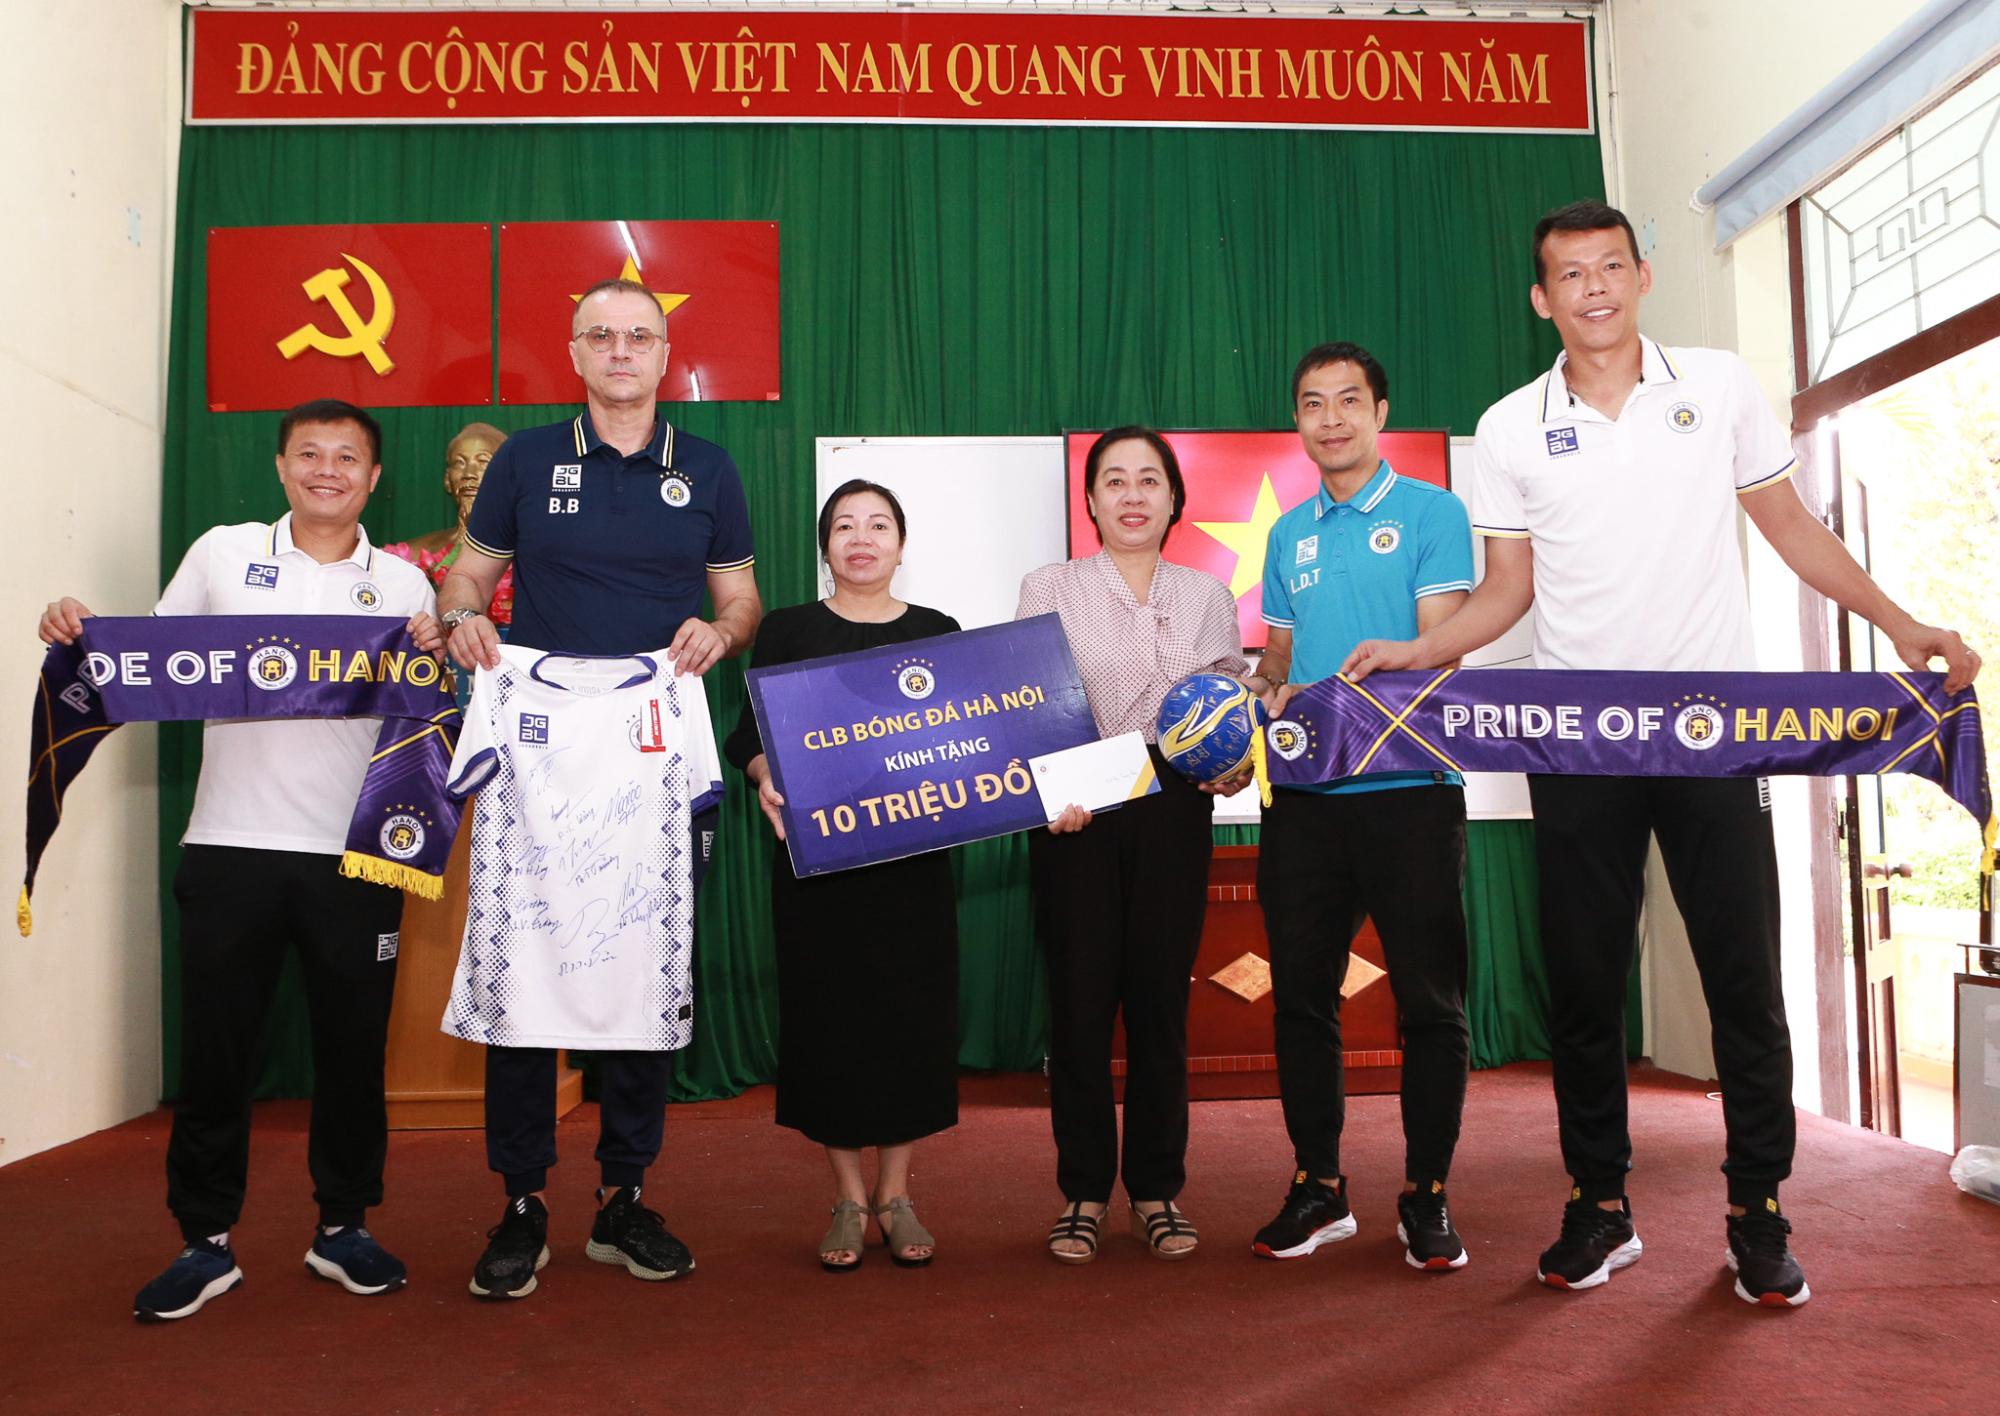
(1229, 1036)
(434, 1080)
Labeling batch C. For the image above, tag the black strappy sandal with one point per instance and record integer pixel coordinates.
(1153, 1230)
(1078, 1226)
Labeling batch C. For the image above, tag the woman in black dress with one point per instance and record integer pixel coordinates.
(868, 957)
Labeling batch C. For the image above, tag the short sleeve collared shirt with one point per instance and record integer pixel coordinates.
(611, 553)
(1336, 573)
(1633, 519)
(285, 784)
(1130, 654)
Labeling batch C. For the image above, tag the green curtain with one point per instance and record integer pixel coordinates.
(935, 280)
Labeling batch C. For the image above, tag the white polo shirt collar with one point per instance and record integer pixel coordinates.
(1559, 405)
(280, 543)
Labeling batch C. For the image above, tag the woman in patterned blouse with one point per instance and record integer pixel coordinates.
(1119, 901)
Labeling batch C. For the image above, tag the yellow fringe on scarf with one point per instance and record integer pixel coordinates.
(1257, 761)
(1986, 860)
(389, 872)
(24, 916)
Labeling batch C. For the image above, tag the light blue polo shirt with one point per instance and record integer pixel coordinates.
(1336, 573)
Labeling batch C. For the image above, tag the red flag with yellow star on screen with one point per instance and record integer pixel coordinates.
(716, 281)
(1238, 484)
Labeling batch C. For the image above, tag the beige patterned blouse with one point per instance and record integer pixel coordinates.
(1130, 654)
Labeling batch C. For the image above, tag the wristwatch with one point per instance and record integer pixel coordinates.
(452, 619)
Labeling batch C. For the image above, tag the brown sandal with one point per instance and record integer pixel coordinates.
(849, 1233)
(1154, 1230)
(901, 1231)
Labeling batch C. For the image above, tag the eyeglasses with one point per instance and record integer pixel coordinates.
(602, 338)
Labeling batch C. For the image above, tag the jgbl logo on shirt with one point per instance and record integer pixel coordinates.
(535, 728)
(1562, 441)
(261, 577)
(1308, 551)
(568, 477)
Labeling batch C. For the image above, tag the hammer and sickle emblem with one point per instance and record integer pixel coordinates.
(363, 337)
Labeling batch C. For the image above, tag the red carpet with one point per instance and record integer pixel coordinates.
(1905, 1273)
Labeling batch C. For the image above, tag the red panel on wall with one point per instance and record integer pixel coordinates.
(383, 316)
(1237, 485)
(717, 281)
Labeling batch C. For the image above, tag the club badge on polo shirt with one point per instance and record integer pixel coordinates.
(1684, 417)
(260, 576)
(1385, 536)
(366, 595)
(1562, 442)
(675, 491)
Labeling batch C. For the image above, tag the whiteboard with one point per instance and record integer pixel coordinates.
(982, 513)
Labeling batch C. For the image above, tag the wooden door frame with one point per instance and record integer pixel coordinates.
(1837, 828)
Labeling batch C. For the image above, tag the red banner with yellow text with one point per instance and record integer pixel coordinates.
(393, 316)
(470, 66)
(1238, 485)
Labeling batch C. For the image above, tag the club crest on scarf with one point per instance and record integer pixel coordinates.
(169, 668)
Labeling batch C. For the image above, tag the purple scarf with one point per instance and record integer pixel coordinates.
(174, 667)
(1636, 724)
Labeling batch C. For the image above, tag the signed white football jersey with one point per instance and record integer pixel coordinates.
(580, 927)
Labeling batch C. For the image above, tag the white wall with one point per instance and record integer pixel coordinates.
(1694, 83)
(89, 100)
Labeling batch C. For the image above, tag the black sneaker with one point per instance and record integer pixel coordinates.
(626, 1232)
(1314, 1214)
(200, 1272)
(355, 1261)
(516, 1249)
(1423, 1223)
(1595, 1243)
(1766, 1273)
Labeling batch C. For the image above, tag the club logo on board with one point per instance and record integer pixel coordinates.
(916, 680)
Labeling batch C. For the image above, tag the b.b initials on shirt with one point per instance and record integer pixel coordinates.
(567, 477)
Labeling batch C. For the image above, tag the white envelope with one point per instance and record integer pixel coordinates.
(1096, 776)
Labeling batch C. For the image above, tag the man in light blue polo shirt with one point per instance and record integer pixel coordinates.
(1370, 555)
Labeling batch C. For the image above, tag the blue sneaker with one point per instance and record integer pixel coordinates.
(201, 1272)
(355, 1261)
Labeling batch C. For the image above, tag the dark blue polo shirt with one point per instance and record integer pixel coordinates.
(611, 553)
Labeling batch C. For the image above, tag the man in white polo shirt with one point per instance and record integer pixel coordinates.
(260, 868)
(1607, 491)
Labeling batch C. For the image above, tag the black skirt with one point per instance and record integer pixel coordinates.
(867, 1001)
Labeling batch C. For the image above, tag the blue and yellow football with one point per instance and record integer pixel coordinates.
(1207, 724)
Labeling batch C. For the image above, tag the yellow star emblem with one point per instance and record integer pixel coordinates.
(1248, 538)
(668, 303)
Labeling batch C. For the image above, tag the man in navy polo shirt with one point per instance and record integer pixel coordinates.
(1369, 555)
(616, 524)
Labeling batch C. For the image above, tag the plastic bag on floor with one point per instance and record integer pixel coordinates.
(1976, 1170)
